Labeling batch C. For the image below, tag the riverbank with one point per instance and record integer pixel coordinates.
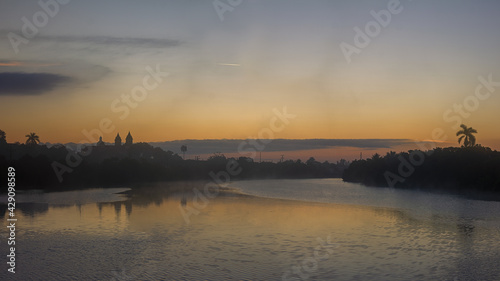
(473, 171)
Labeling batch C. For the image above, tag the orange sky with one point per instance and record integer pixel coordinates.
(212, 79)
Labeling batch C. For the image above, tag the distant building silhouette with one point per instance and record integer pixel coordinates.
(129, 140)
(100, 142)
(118, 140)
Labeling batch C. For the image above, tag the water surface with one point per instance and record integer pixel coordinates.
(319, 229)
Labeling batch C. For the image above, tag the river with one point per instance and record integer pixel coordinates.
(315, 229)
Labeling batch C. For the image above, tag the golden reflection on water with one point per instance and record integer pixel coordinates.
(272, 215)
(234, 231)
(146, 210)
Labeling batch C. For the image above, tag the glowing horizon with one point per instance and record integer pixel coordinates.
(201, 76)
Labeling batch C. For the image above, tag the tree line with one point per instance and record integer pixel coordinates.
(138, 163)
(471, 167)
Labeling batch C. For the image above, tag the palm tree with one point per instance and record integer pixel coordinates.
(33, 139)
(3, 137)
(184, 148)
(466, 134)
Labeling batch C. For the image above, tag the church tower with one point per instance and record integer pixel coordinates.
(100, 142)
(118, 140)
(129, 140)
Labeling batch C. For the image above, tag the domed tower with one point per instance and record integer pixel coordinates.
(100, 142)
(118, 140)
(129, 140)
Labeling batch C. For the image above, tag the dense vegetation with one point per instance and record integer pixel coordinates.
(37, 166)
(468, 168)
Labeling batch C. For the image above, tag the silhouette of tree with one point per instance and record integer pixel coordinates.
(466, 134)
(33, 139)
(455, 169)
(217, 157)
(184, 148)
(3, 137)
(311, 161)
(343, 163)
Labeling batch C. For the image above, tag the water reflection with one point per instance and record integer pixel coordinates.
(142, 235)
(32, 209)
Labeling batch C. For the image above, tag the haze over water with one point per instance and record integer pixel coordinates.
(259, 237)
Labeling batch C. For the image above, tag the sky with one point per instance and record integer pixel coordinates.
(202, 69)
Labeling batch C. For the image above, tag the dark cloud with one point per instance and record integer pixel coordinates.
(107, 40)
(20, 83)
(231, 146)
(79, 71)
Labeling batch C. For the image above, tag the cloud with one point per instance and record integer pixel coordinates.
(20, 83)
(84, 72)
(104, 40)
(9, 63)
(80, 71)
(229, 64)
(108, 40)
(231, 146)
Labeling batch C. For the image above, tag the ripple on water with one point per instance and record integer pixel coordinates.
(152, 242)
